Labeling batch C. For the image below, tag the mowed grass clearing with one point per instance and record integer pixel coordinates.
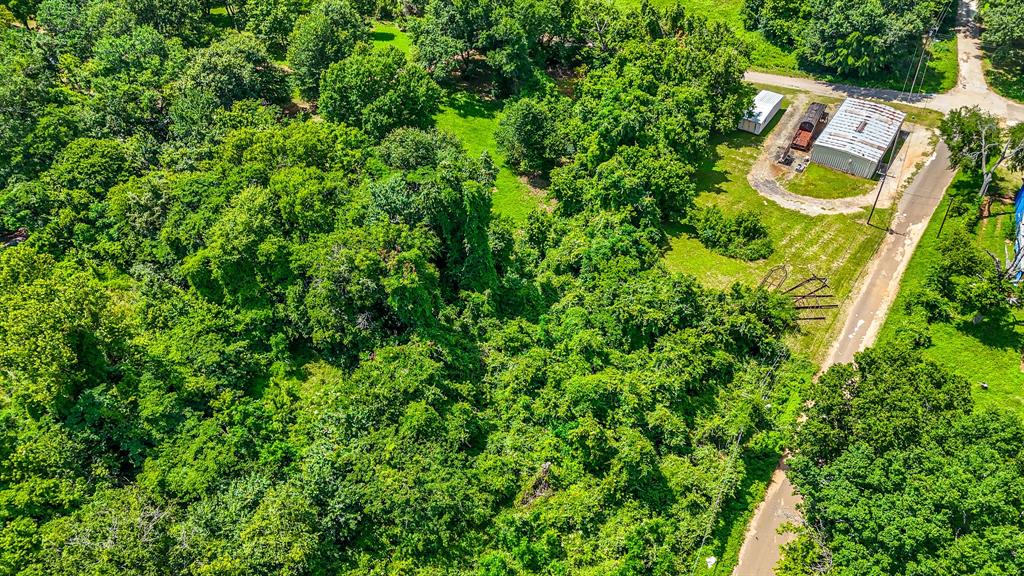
(989, 352)
(821, 182)
(387, 34)
(473, 120)
(835, 246)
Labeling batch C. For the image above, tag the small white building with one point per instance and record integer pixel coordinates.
(766, 106)
(857, 138)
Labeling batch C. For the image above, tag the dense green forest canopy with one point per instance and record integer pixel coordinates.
(849, 37)
(243, 338)
(902, 476)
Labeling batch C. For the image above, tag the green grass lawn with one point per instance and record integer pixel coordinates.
(940, 75)
(474, 121)
(834, 246)
(821, 182)
(386, 33)
(989, 352)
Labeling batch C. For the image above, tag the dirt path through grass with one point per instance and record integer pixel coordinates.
(765, 175)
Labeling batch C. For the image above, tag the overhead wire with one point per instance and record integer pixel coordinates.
(765, 388)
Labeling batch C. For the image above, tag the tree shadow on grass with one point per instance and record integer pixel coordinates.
(676, 229)
(709, 177)
(221, 20)
(997, 333)
(1007, 82)
(468, 105)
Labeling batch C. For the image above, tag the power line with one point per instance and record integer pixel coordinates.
(734, 452)
(924, 49)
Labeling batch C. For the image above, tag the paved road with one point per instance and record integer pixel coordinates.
(876, 292)
(762, 547)
(881, 283)
(873, 297)
(970, 90)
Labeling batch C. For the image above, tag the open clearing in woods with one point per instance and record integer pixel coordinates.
(837, 247)
(474, 120)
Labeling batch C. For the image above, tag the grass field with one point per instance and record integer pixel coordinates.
(940, 74)
(474, 121)
(821, 182)
(989, 352)
(1006, 81)
(386, 33)
(836, 247)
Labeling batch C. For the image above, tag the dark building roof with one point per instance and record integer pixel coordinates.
(815, 113)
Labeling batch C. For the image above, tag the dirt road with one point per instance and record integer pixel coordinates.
(763, 544)
(764, 175)
(881, 283)
(971, 88)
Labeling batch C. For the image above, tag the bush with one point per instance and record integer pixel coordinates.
(378, 91)
(931, 304)
(743, 236)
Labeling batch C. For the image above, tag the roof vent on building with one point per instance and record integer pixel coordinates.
(863, 124)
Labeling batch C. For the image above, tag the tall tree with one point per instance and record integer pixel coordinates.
(978, 142)
(327, 34)
(379, 90)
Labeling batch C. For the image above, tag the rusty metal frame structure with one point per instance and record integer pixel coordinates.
(810, 294)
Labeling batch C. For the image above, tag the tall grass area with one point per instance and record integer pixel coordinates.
(837, 247)
(474, 121)
(940, 75)
(989, 352)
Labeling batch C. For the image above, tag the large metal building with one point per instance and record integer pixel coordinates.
(766, 105)
(857, 138)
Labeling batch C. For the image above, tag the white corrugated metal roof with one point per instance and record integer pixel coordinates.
(764, 103)
(864, 129)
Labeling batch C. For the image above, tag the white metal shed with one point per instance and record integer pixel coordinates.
(766, 105)
(857, 138)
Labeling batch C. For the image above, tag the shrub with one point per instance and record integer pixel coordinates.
(743, 236)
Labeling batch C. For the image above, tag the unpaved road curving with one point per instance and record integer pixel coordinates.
(764, 175)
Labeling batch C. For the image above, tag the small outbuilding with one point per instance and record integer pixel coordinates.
(766, 106)
(857, 138)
